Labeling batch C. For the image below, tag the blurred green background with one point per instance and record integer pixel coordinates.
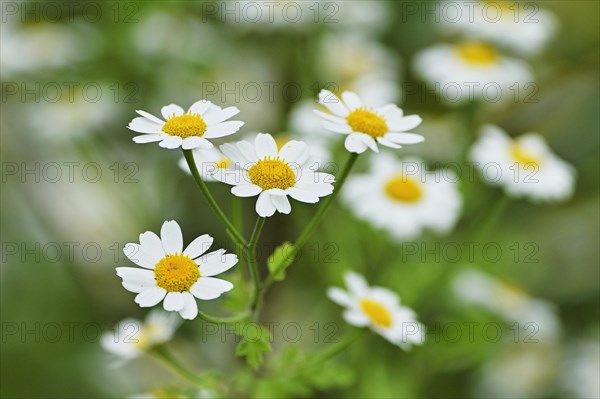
(75, 189)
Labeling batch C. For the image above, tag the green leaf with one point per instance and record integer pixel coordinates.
(255, 341)
(280, 260)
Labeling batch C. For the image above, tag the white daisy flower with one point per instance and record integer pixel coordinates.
(174, 274)
(580, 369)
(403, 198)
(471, 71)
(522, 28)
(208, 162)
(367, 126)
(187, 130)
(524, 167)
(379, 309)
(509, 301)
(273, 174)
(133, 337)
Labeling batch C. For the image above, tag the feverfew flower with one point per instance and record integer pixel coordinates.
(187, 130)
(403, 198)
(524, 167)
(273, 174)
(379, 309)
(208, 161)
(471, 71)
(523, 28)
(174, 274)
(366, 126)
(133, 337)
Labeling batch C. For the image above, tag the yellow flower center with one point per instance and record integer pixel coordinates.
(368, 122)
(272, 173)
(523, 157)
(378, 313)
(223, 163)
(404, 189)
(477, 53)
(185, 125)
(176, 273)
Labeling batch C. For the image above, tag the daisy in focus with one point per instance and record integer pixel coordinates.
(366, 126)
(470, 71)
(379, 309)
(274, 174)
(188, 130)
(133, 337)
(208, 161)
(403, 198)
(523, 28)
(173, 274)
(523, 167)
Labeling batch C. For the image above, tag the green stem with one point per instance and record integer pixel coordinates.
(231, 229)
(312, 225)
(224, 320)
(338, 347)
(252, 262)
(167, 358)
(491, 217)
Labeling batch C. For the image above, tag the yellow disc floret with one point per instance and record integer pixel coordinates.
(477, 53)
(404, 189)
(186, 125)
(176, 273)
(379, 315)
(523, 157)
(224, 163)
(272, 173)
(366, 121)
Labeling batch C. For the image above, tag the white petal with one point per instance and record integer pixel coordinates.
(137, 276)
(171, 237)
(265, 146)
(210, 288)
(190, 307)
(295, 152)
(329, 117)
(356, 283)
(356, 318)
(134, 253)
(171, 142)
(387, 143)
(222, 129)
(173, 302)
(352, 100)
(151, 117)
(355, 143)
(404, 124)
(143, 125)
(404, 138)
(337, 127)
(200, 107)
(199, 246)
(246, 190)
(221, 115)
(390, 111)
(302, 195)
(150, 297)
(282, 204)
(340, 296)
(148, 138)
(190, 143)
(333, 103)
(151, 247)
(264, 205)
(318, 189)
(171, 110)
(216, 262)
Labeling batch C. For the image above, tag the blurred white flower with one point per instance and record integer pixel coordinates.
(364, 16)
(268, 16)
(273, 174)
(366, 126)
(187, 130)
(536, 317)
(174, 274)
(581, 368)
(208, 161)
(379, 309)
(403, 198)
(132, 337)
(521, 27)
(471, 71)
(523, 167)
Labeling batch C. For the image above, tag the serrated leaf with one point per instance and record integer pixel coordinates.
(279, 260)
(252, 346)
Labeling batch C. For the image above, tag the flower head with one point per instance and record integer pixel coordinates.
(208, 161)
(272, 173)
(524, 167)
(174, 274)
(379, 309)
(403, 198)
(133, 337)
(188, 130)
(366, 126)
